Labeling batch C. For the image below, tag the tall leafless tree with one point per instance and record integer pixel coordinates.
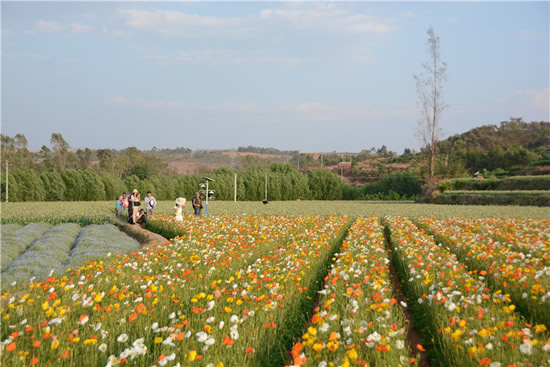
(429, 85)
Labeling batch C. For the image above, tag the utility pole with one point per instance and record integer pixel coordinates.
(235, 185)
(342, 169)
(7, 164)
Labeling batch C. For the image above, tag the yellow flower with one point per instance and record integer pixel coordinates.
(332, 346)
(192, 355)
(158, 340)
(540, 328)
(317, 347)
(352, 354)
(90, 341)
(484, 333)
(456, 335)
(76, 340)
(312, 331)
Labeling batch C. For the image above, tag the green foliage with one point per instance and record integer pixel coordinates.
(26, 185)
(114, 187)
(507, 183)
(513, 143)
(325, 185)
(74, 185)
(396, 186)
(54, 185)
(535, 198)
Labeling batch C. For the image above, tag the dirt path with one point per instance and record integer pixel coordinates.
(412, 334)
(147, 239)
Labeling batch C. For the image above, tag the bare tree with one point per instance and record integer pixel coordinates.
(429, 85)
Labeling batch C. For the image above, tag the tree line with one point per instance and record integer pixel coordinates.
(59, 174)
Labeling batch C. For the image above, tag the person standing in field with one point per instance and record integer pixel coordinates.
(197, 204)
(133, 206)
(121, 199)
(118, 208)
(178, 209)
(150, 203)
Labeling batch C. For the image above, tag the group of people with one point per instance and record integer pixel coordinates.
(138, 216)
(132, 202)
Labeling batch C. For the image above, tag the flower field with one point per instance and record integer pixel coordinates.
(358, 321)
(471, 324)
(520, 265)
(274, 290)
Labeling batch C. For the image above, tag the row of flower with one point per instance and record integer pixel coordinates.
(470, 324)
(223, 295)
(358, 320)
(45, 250)
(46, 254)
(17, 239)
(525, 276)
(530, 236)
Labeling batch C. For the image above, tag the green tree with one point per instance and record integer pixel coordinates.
(113, 186)
(325, 185)
(84, 158)
(54, 186)
(94, 189)
(74, 185)
(61, 149)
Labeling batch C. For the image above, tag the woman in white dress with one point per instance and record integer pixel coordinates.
(178, 209)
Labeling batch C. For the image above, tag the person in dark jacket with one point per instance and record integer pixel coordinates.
(197, 203)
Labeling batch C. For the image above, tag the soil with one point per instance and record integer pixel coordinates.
(412, 335)
(147, 239)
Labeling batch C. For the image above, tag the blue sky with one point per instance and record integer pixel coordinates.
(308, 76)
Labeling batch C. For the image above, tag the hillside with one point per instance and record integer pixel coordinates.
(514, 144)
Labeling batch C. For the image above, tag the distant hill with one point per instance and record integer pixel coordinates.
(533, 136)
(513, 143)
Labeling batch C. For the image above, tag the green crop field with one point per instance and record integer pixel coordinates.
(100, 212)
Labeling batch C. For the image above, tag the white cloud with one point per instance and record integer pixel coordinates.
(316, 16)
(536, 98)
(172, 22)
(317, 111)
(329, 17)
(47, 26)
(156, 104)
(79, 28)
(541, 98)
